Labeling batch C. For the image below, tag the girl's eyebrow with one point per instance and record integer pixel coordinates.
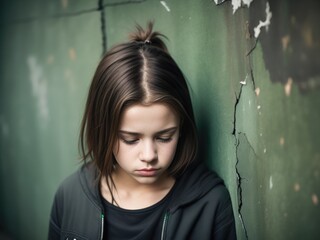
(167, 130)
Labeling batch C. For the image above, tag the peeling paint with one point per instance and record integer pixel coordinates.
(219, 1)
(281, 141)
(287, 87)
(257, 91)
(266, 23)
(315, 199)
(244, 82)
(165, 5)
(39, 88)
(270, 182)
(237, 4)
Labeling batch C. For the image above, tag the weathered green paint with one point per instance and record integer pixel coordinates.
(266, 131)
(46, 66)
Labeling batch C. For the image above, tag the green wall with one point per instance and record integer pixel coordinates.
(260, 135)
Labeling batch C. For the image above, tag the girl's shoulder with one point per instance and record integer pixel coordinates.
(82, 181)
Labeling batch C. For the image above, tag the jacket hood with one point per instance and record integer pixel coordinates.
(196, 182)
(192, 185)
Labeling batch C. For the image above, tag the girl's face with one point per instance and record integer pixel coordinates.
(147, 142)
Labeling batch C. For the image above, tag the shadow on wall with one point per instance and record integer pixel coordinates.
(205, 135)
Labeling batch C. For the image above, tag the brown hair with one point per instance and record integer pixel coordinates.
(140, 71)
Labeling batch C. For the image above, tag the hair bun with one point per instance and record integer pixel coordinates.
(148, 37)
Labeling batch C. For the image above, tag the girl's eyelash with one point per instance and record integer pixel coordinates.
(129, 142)
(164, 140)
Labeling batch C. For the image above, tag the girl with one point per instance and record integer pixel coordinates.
(140, 178)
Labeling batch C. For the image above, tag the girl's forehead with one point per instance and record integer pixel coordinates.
(154, 117)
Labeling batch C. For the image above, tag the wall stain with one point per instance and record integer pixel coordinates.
(291, 47)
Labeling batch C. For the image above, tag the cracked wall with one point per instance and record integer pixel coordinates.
(256, 102)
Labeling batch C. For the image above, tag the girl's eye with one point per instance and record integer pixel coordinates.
(164, 140)
(129, 142)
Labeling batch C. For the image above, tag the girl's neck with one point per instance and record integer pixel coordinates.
(134, 195)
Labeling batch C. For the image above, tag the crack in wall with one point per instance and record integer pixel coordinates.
(239, 189)
(235, 112)
(239, 178)
(103, 26)
(100, 7)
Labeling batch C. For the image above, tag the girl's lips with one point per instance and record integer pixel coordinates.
(147, 172)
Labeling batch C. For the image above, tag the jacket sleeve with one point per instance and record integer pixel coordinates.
(224, 228)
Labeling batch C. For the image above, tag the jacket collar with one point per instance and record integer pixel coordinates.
(192, 185)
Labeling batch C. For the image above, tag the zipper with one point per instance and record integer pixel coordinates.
(164, 225)
(102, 226)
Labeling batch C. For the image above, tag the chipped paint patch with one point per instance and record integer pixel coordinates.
(287, 87)
(265, 24)
(244, 82)
(165, 5)
(39, 87)
(270, 182)
(281, 141)
(296, 187)
(257, 91)
(72, 54)
(236, 4)
(315, 199)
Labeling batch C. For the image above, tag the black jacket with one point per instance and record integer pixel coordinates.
(200, 208)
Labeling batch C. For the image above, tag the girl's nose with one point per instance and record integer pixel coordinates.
(148, 151)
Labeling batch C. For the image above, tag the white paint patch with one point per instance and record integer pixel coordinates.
(266, 23)
(244, 82)
(164, 4)
(247, 2)
(257, 90)
(270, 182)
(236, 4)
(39, 87)
(287, 87)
